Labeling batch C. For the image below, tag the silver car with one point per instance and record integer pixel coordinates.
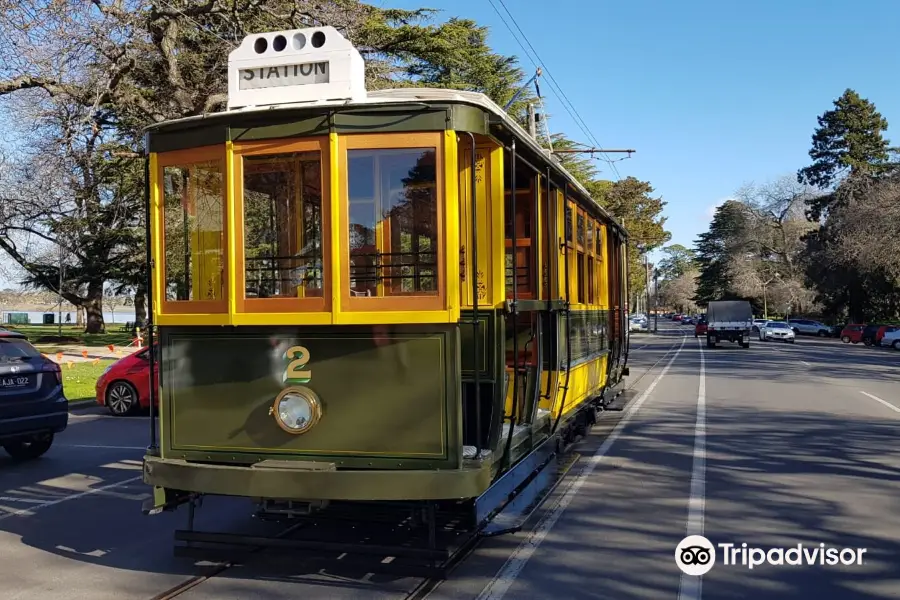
(776, 330)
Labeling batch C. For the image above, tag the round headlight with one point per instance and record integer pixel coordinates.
(296, 409)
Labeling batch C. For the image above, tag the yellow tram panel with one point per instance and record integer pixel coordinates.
(486, 178)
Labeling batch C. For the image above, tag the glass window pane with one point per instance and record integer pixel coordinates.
(283, 246)
(393, 227)
(193, 231)
(568, 224)
(580, 231)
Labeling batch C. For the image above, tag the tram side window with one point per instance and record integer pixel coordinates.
(520, 230)
(393, 222)
(283, 246)
(193, 231)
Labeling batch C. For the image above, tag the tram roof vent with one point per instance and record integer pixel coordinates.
(301, 65)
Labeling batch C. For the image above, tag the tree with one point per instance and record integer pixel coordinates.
(849, 139)
(679, 292)
(716, 250)
(632, 203)
(852, 258)
(130, 64)
(677, 262)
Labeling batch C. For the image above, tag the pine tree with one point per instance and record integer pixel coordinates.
(848, 140)
(713, 250)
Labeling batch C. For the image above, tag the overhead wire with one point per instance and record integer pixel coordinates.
(554, 85)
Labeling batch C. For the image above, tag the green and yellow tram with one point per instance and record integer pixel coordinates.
(389, 296)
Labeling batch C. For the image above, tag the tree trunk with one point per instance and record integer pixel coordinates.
(93, 308)
(140, 306)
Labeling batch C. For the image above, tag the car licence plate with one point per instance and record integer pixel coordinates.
(17, 382)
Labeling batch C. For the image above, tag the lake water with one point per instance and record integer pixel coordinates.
(37, 318)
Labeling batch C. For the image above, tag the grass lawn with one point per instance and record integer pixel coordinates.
(80, 379)
(72, 334)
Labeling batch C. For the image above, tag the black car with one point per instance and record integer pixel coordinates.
(33, 408)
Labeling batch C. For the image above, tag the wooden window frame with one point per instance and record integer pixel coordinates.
(184, 158)
(391, 141)
(523, 242)
(282, 305)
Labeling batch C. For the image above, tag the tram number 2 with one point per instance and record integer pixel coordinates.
(296, 372)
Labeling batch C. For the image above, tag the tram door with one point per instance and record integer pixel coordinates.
(523, 345)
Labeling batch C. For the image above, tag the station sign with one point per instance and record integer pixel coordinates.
(296, 66)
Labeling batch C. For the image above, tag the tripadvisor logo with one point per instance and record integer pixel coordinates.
(696, 555)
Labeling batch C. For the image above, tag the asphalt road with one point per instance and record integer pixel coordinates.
(793, 444)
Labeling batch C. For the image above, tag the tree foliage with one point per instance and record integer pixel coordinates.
(849, 140)
(89, 76)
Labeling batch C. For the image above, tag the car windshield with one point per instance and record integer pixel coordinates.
(777, 325)
(17, 348)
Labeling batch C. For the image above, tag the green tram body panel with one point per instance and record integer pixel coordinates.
(390, 395)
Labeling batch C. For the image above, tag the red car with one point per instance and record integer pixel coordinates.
(700, 328)
(125, 385)
(852, 333)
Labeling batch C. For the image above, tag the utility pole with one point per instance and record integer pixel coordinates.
(647, 270)
(656, 290)
(59, 289)
(532, 121)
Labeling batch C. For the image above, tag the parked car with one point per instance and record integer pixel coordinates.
(700, 328)
(124, 387)
(872, 334)
(776, 330)
(808, 327)
(757, 323)
(33, 407)
(852, 333)
(891, 338)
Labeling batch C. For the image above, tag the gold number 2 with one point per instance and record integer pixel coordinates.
(295, 370)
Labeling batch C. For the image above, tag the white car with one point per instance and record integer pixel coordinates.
(776, 330)
(637, 325)
(891, 338)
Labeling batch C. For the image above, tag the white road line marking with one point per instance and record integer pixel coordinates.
(20, 499)
(806, 363)
(877, 399)
(50, 503)
(691, 587)
(102, 447)
(503, 581)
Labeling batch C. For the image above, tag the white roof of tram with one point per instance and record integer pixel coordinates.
(317, 67)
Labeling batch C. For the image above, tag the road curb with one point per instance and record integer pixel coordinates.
(80, 405)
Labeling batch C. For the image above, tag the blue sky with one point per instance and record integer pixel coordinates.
(710, 94)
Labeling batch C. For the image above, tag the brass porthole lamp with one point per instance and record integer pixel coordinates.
(296, 409)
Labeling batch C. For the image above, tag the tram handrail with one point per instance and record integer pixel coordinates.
(507, 459)
(566, 311)
(476, 368)
(153, 448)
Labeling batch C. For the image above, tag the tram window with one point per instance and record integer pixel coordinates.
(570, 214)
(393, 222)
(193, 228)
(591, 290)
(283, 225)
(580, 269)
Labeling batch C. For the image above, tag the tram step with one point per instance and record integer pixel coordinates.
(621, 401)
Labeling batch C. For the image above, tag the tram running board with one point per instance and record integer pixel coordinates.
(621, 401)
(531, 498)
